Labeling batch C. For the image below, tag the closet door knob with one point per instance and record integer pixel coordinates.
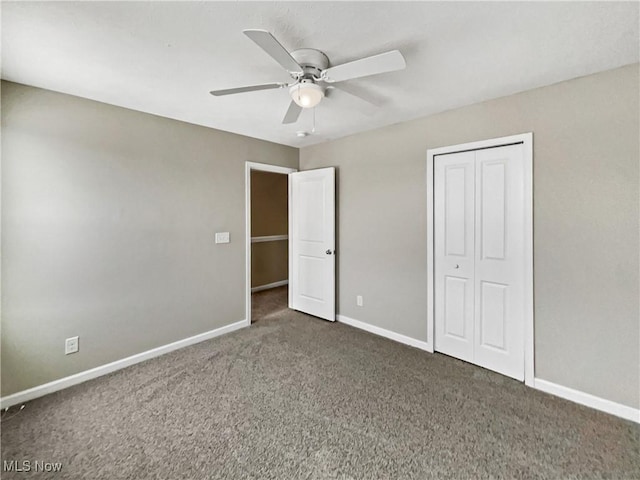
(328, 252)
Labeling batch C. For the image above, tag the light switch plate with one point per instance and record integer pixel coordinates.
(222, 237)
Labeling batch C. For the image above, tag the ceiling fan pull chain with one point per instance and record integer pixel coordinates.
(313, 130)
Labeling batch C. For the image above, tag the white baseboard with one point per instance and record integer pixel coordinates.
(422, 345)
(41, 390)
(617, 409)
(259, 288)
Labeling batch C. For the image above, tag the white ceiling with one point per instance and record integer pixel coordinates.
(164, 57)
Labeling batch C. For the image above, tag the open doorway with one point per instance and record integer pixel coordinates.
(267, 206)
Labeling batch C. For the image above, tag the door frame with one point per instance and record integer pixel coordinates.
(263, 167)
(526, 139)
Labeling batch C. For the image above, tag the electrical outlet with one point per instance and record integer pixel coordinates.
(359, 301)
(71, 345)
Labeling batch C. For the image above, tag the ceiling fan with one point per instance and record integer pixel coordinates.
(312, 76)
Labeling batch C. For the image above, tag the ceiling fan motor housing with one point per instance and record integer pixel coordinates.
(312, 62)
(306, 92)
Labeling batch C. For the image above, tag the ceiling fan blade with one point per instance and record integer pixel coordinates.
(251, 88)
(293, 112)
(269, 44)
(347, 97)
(384, 62)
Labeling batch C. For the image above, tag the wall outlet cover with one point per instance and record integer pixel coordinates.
(71, 345)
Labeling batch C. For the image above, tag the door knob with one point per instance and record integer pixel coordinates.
(328, 252)
(457, 266)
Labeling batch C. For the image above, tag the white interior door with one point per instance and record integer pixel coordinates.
(499, 262)
(454, 254)
(479, 257)
(312, 242)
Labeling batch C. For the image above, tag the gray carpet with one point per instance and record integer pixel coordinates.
(294, 397)
(269, 303)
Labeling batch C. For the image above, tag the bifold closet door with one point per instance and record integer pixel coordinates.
(499, 263)
(479, 257)
(454, 254)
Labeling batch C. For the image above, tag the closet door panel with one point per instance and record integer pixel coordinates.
(499, 260)
(454, 254)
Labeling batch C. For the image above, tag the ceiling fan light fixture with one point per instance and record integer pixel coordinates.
(306, 94)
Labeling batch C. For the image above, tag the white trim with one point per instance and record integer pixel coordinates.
(264, 167)
(617, 409)
(268, 286)
(490, 143)
(40, 390)
(527, 141)
(398, 337)
(269, 238)
(430, 257)
(529, 344)
(290, 223)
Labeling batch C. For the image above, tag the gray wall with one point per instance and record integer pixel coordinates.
(108, 217)
(108, 221)
(586, 223)
(269, 216)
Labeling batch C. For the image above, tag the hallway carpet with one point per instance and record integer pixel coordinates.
(294, 397)
(269, 303)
